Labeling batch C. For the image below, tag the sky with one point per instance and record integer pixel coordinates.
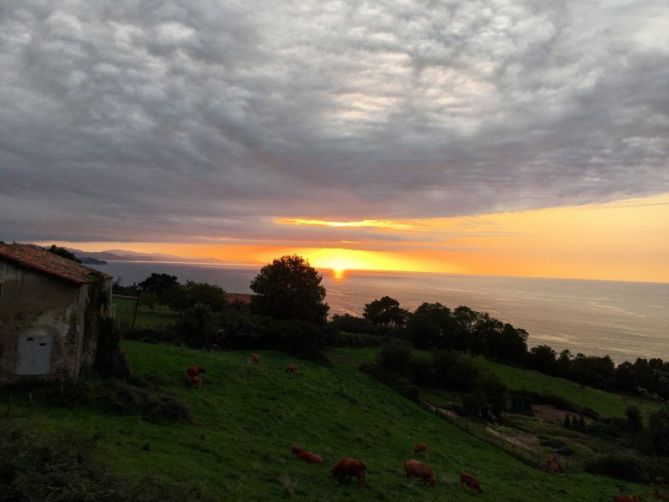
(487, 137)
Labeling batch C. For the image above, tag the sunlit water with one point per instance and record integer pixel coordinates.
(622, 319)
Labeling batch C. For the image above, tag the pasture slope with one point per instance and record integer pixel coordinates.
(246, 419)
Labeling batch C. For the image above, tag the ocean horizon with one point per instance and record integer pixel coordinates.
(622, 319)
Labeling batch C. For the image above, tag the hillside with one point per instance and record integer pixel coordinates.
(246, 419)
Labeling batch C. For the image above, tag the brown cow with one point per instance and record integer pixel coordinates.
(306, 456)
(193, 377)
(422, 448)
(416, 469)
(626, 498)
(470, 481)
(348, 468)
(292, 369)
(254, 359)
(554, 466)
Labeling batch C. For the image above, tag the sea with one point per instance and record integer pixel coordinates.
(624, 320)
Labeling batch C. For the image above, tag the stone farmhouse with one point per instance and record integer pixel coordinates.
(51, 310)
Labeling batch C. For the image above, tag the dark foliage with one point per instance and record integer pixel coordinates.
(397, 382)
(343, 339)
(289, 288)
(157, 284)
(350, 324)
(199, 327)
(619, 465)
(634, 418)
(62, 252)
(64, 467)
(109, 358)
(544, 359)
(180, 297)
(385, 312)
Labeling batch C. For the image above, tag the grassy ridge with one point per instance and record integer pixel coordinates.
(246, 419)
(607, 404)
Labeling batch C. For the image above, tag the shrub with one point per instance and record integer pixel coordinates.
(350, 324)
(394, 357)
(619, 465)
(634, 419)
(199, 326)
(399, 383)
(342, 339)
(453, 371)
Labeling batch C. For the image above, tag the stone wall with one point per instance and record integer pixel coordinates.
(37, 310)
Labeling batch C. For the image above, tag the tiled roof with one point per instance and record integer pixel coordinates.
(40, 260)
(239, 298)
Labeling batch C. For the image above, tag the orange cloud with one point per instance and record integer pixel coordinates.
(624, 240)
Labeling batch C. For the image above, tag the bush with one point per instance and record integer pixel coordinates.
(619, 465)
(400, 384)
(199, 326)
(395, 357)
(63, 466)
(342, 339)
(350, 324)
(299, 338)
(634, 419)
(453, 371)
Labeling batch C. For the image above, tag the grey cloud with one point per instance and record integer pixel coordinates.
(174, 120)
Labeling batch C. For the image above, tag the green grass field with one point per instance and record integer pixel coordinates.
(246, 419)
(124, 310)
(605, 403)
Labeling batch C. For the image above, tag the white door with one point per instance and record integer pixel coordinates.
(34, 354)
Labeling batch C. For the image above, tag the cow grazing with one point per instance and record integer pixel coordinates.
(254, 359)
(306, 456)
(347, 468)
(470, 481)
(422, 448)
(292, 369)
(416, 469)
(554, 466)
(193, 377)
(626, 498)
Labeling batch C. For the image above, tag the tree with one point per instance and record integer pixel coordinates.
(543, 358)
(634, 418)
(385, 312)
(206, 294)
(62, 252)
(157, 283)
(289, 288)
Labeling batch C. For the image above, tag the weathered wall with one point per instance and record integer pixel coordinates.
(36, 303)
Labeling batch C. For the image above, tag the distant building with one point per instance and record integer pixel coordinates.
(238, 300)
(50, 310)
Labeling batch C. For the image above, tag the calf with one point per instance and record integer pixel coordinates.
(254, 359)
(470, 481)
(306, 456)
(416, 469)
(422, 448)
(292, 369)
(193, 377)
(348, 468)
(626, 498)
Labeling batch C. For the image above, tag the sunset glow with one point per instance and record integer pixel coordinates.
(623, 240)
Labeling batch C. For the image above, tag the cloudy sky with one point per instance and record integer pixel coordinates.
(279, 123)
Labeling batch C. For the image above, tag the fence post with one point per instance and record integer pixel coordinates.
(32, 403)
